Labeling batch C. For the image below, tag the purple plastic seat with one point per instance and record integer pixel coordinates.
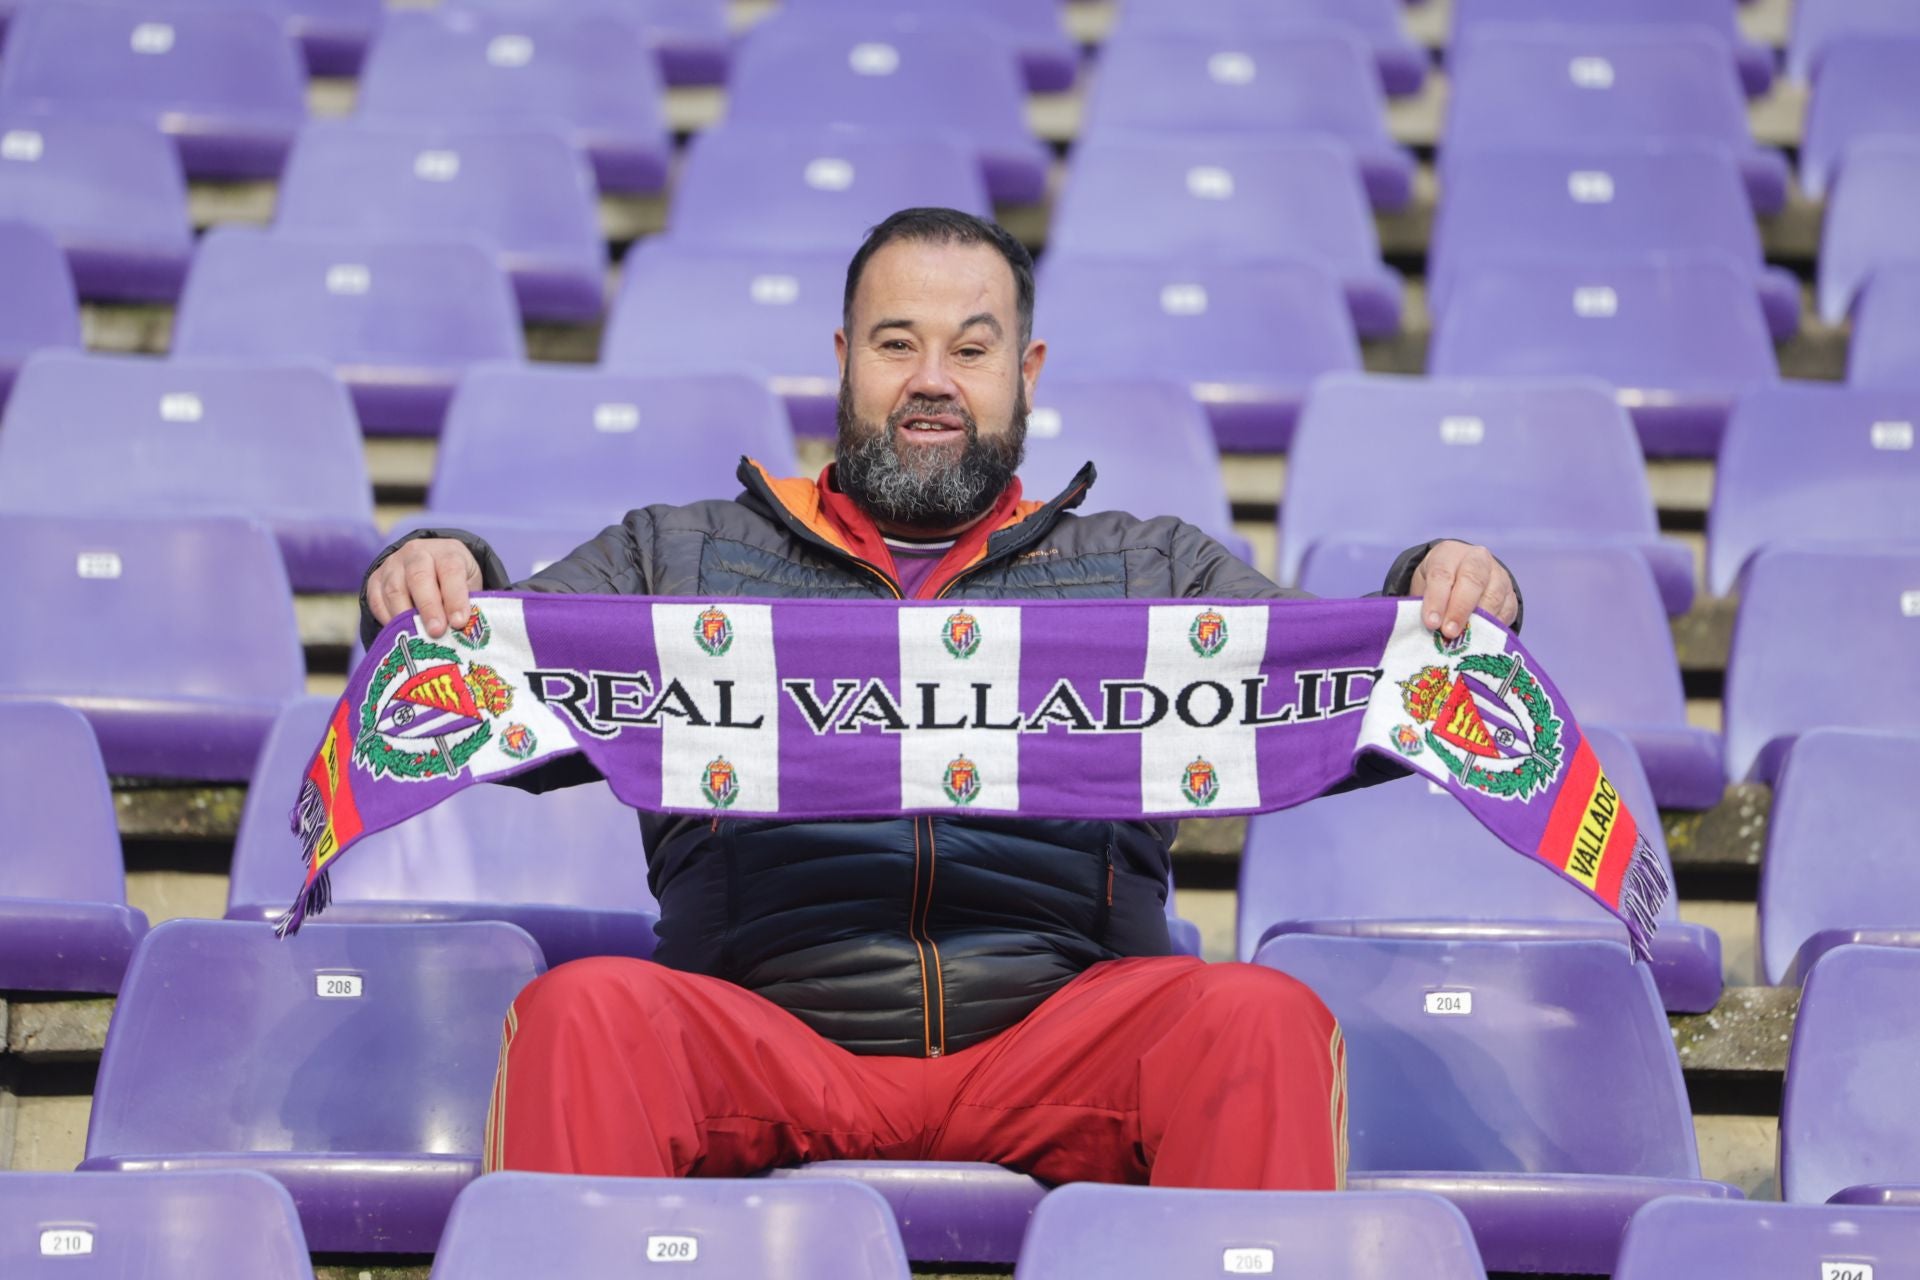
(1849, 1120)
(1613, 202)
(821, 190)
(509, 1225)
(1659, 17)
(1839, 865)
(397, 321)
(589, 76)
(1246, 338)
(950, 1212)
(525, 546)
(608, 442)
(770, 313)
(1033, 30)
(691, 39)
(226, 83)
(1595, 619)
(1542, 88)
(352, 1063)
(1871, 89)
(189, 647)
(524, 193)
(472, 858)
(1819, 24)
(1230, 199)
(333, 34)
(1737, 1240)
(195, 437)
(1402, 63)
(807, 71)
(1864, 228)
(1680, 340)
(113, 194)
(1823, 639)
(1885, 350)
(64, 920)
(160, 1226)
(1533, 1084)
(1568, 467)
(1318, 82)
(38, 308)
(1808, 463)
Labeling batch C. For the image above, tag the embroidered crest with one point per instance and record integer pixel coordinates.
(1490, 722)
(1208, 634)
(961, 635)
(475, 631)
(427, 711)
(1455, 647)
(1200, 784)
(713, 632)
(962, 782)
(1408, 740)
(719, 784)
(518, 741)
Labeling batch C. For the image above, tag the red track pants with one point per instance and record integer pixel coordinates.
(1162, 1070)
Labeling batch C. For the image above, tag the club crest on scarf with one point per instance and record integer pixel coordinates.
(1488, 720)
(961, 636)
(1200, 784)
(719, 783)
(518, 741)
(962, 782)
(713, 632)
(427, 711)
(475, 631)
(1208, 634)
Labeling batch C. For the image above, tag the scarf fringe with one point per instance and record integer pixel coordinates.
(1642, 896)
(309, 822)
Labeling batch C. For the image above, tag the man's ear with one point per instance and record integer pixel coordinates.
(840, 350)
(1031, 363)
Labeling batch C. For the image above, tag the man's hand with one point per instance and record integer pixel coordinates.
(1455, 579)
(432, 575)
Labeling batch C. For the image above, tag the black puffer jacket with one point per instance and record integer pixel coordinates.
(913, 936)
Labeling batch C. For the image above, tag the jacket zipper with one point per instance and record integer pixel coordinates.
(937, 1005)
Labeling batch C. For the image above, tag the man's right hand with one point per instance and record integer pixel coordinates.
(431, 575)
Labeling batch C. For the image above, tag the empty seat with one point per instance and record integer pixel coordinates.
(1086, 1231)
(1246, 338)
(1740, 1240)
(1610, 202)
(523, 193)
(195, 437)
(1305, 82)
(525, 546)
(803, 71)
(1864, 228)
(1871, 90)
(226, 83)
(1839, 863)
(819, 190)
(1658, 17)
(350, 1062)
(509, 1225)
(1402, 63)
(333, 34)
(1231, 199)
(1534, 1084)
(1515, 87)
(175, 638)
(1823, 639)
(948, 1212)
(587, 75)
(1568, 467)
(1885, 348)
(398, 321)
(113, 194)
(1035, 32)
(1818, 24)
(691, 39)
(64, 920)
(1806, 463)
(1680, 340)
(38, 308)
(160, 1226)
(1849, 1123)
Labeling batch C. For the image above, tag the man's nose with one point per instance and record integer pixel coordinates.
(932, 379)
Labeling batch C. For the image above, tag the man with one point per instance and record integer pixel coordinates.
(943, 988)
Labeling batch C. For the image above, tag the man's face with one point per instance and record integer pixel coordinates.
(933, 385)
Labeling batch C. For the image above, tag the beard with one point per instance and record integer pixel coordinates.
(925, 487)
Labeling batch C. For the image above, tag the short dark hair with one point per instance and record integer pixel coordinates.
(947, 226)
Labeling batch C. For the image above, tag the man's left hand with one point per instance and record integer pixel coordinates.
(1455, 579)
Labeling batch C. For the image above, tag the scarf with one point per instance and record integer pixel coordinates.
(1110, 710)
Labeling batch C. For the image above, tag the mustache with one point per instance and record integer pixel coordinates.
(925, 407)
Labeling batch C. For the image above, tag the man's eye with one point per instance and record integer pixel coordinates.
(972, 353)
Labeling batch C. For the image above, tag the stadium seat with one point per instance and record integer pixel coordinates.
(1229, 199)
(587, 75)
(1515, 87)
(352, 1063)
(1871, 90)
(567, 866)
(803, 71)
(1306, 82)
(1839, 866)
(398, 321)
(1808, 463)
(333, 34)
(510, 1225)
(195, 437)
(226, 83)
(1866, 227)
(523, 193)
(1680, 340)
(691, 39)
(1885, 349)
(175, 638)
(1569, 467)
(1849, 1124)
(1604, 203)
(64, 920)
(525, 547)
(684, 310)
(1823, 639)
(1658, 17)
(1736, 1240)
(38, 308)
(111, 191)
(1087, 1231)
(1034, 30)
(948, 1212)
(1402, 63)
(1246, 338)
(159, 1226)
(607, 442)
(1818, 24)
(1594, 618)
(815, 191)
(1534, 1084)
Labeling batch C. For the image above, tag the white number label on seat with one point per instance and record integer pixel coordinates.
(874, 59)
(616, 418)
(1184, 299)
(1591, 73)
(437, 166)
(1209, 182)
(1247, 1262)
(1231, 68)
(1910, 604)
(1892, 435)
(338, 986)
(1462, 430)
(1846, 1271)
(1595, 302)
(829, 173)
(65, 1242)
(181, 406)
(1450, 1004)
(672, 1249)
(22, 145)
(152, 38)
(1590, 186)
(99, 564)
(509, 51)
(774, 291)
(1044, 424)
(349, 278)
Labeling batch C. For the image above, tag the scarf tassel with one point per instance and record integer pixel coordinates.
(309, 822)
(1642, 896)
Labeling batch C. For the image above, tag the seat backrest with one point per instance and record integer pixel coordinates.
(112, 180)
(525, 546)
(1885, 350)
(1742, 1239)
(1819, 24)
(1864, 229)
(62, 839)
(1471, 17)
(39, 307)
(1874, 90)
